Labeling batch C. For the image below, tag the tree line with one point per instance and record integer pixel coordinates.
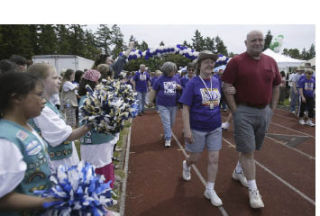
(74, 39)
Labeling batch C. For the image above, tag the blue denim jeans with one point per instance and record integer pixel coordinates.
(294, 100)
(168, 116)
(141, 100)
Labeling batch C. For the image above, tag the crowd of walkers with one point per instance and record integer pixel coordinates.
(40, 117)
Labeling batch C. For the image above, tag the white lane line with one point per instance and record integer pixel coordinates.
(124, 185)
(279, 125)
(280, 179)
(293, 135)
(286, 117)
(292, 148)
(221, 209)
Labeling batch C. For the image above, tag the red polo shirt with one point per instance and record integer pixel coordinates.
(253, 79)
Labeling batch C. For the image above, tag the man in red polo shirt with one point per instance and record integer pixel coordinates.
(256, 78)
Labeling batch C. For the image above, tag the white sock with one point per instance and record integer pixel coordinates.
(252, 185)
(238, 168)
(210, 186)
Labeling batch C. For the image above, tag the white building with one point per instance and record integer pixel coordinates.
(64, 62)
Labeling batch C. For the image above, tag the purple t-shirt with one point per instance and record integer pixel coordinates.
(153, 80)
(141, 80)
(184, 81)
(308, 86)
(196, 96)
(166, 88)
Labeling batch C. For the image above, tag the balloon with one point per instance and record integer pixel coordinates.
(277, 43)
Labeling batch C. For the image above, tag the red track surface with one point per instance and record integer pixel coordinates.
(155, 186)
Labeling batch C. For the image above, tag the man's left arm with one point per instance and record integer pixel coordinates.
(275, 97)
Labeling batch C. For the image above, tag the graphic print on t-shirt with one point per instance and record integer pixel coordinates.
(308, 86)
(142, 77)
(169, 88)
(214, 94)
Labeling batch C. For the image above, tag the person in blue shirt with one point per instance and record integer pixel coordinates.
(190, 74)
(202, 121)
(306, 86)
(165, 91)
(141, 83)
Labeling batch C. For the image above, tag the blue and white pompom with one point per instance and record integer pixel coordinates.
(79, 191)
(109, 106)
(222, 60)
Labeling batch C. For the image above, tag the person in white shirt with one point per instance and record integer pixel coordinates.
(51, 124)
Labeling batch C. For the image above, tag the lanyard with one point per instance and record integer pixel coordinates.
(210, 93)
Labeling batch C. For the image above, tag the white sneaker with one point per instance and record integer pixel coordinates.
(293, 112)
(302, 122)
(212, 195)
(310, 123)
(225, 125)
(167, 143)
(186, 174)
(240, 177)
(255, 199)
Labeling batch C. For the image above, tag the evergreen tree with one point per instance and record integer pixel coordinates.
(197, 41)
(304, 54)
(117, 41)
(63, 40)
(77, 37)
(209, 44)
(143, 46)
(221, 48)
(91, 49)
(312, 52)
(186, 44)
(103, 36)
(34, 38)
(267, 40)
(15, 39)
(47, 40)
(293, 53)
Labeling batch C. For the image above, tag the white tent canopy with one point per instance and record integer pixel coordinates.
(282, 60)
(312, 61)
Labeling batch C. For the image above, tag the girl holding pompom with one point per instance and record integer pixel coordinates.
(96, 148)
(24, 161)
(51, 123)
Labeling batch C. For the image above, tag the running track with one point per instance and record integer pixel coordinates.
(285, 172)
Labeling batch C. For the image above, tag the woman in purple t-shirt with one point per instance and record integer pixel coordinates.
(165, 91)
(202, 121)
(306, 86)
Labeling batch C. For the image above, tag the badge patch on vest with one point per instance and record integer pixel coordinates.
(21, 135)
(33, 147)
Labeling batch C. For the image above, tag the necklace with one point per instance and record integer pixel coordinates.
(209, 93)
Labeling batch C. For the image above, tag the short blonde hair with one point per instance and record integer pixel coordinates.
(158, 73)
(104, 69)
(40, 70)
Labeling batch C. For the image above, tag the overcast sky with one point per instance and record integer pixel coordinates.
(233, 36)
(175, 21)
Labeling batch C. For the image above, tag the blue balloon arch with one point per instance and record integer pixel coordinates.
(178, 49)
